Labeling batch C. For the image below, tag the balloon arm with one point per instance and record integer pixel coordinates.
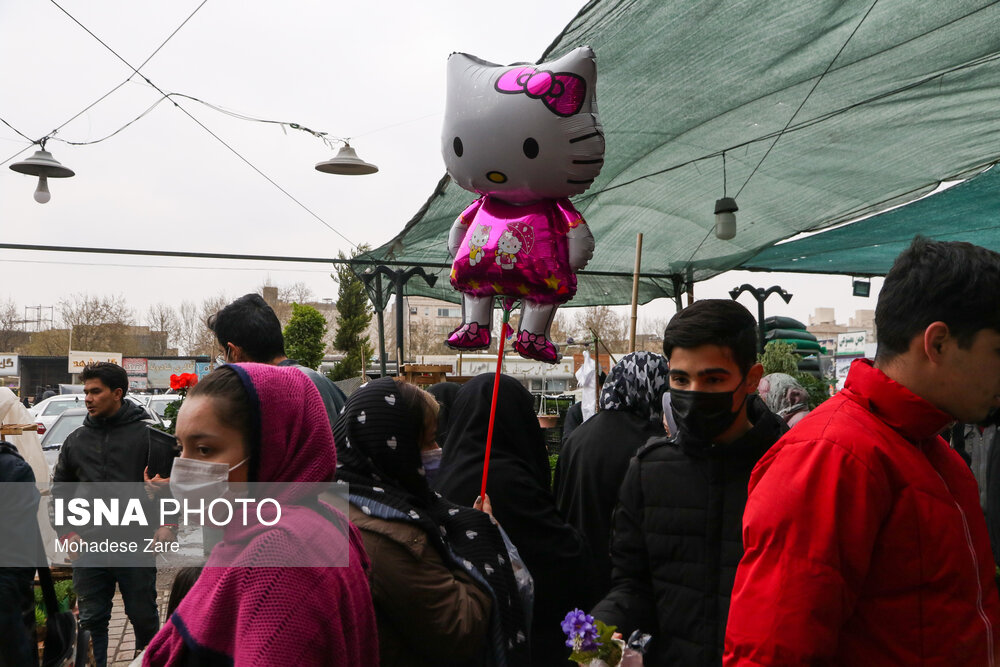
(581, 246)
(456, 236)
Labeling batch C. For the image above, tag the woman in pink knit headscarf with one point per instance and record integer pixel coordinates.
(268, 424)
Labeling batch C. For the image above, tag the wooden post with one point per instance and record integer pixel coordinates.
(690, 284)
(635, 291)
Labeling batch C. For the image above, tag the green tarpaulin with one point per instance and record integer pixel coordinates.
(896, 96)
(966, 212)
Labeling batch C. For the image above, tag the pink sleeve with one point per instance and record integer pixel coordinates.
(470, 211)
(809, 529)
(569, 217)
(166, 648)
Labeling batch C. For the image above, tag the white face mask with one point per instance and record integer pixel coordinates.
(193, 480)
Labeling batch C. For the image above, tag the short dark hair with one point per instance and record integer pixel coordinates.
(111, 375)
(953, 282)
(719, 322)
(252, 325)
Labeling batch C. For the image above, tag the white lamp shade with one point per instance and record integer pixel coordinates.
(346, 163)
(42, 164)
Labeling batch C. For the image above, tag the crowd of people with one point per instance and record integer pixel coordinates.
(704, 504)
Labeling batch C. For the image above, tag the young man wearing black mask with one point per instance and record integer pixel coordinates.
(677, 536)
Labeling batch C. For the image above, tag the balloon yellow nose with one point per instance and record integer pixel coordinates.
(496, 177)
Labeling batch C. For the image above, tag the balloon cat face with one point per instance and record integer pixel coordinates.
(523, 133)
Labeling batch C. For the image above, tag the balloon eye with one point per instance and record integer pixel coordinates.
(459, 149)
(530, 148)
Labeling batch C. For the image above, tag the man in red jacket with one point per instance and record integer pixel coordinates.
(864, 540)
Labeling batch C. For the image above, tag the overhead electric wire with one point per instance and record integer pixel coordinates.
(144, 63)
(806, 98)
(204, 127)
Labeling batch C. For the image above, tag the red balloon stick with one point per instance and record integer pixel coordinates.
(493, 403)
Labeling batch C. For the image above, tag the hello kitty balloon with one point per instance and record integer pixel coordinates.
(525, 138)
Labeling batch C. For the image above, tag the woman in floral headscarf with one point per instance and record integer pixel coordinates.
(593, 460)
(267, 424)
(785, 397)
(442, 580)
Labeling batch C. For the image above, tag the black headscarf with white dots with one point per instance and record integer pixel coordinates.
(378, 455)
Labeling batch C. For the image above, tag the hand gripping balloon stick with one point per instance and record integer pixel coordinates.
(508, 304)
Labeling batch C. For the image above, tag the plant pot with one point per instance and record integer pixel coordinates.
(548, 421)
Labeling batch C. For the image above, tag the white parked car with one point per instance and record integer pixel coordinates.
(68, 421)
(159, 403)
(46, 412)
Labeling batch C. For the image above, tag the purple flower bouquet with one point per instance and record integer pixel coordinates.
(591, 640)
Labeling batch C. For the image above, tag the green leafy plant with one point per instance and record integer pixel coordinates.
(780, 357)
(65, 596)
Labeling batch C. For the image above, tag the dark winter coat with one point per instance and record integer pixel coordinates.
(592, 465)
(518, 486)
(115, 449)
(677, 540)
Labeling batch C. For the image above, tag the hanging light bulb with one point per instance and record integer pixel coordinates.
(346, 163)
(42, 194)
(725, 218)
(44, 166)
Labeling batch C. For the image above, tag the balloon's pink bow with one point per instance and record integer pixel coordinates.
(562, 93)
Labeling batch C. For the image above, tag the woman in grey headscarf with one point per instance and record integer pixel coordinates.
(784, 396)
(594, 458)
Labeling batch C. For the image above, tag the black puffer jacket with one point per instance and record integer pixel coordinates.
(116, 449)
(678, 538)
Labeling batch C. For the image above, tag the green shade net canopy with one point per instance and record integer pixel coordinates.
(821, 112)
(965, 212)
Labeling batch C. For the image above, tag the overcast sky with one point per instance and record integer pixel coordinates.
(374, 72)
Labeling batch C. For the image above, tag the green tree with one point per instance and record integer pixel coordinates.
(304, 335)
(354, 314)
(779, 357)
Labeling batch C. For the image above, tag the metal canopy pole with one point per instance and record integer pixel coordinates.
(399, 278)
(760, 294)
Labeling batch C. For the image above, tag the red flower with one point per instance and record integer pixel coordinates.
(183, 381)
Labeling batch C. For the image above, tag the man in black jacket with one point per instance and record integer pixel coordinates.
(114, 444)
(677, 530)
(249, 330)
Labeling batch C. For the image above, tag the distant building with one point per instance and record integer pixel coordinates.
(823, 325)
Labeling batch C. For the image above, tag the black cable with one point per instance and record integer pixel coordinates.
(97, 141)
(144, 63)
(806, 98)
(16, 130)
(800, 126)
(171, 35)
(204, 127)
(16, 154)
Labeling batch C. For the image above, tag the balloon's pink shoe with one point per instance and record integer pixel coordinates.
(469, 336)
(537, 347)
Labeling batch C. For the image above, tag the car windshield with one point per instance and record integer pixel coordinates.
(62, 428)
(159, 405)
(59, 407)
